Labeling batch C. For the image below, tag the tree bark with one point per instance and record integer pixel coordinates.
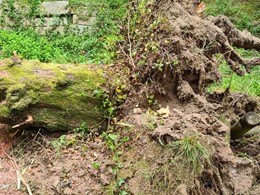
(245, 124)
(51, 96)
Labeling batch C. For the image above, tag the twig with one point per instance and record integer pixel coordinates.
(19, 175)
(27, 121)
(124, 124)
(129, 40)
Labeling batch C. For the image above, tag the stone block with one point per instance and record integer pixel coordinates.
(50, 21)
(54, 8)
(89, 21)
(82, 11)
(44, 30)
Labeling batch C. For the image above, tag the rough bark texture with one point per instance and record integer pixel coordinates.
(52, 96)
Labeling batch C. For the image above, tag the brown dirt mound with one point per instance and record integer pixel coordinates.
(151, 171)
(170, 53)
(169, 48)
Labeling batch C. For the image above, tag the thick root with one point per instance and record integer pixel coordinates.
(168, 42)
(237, 38)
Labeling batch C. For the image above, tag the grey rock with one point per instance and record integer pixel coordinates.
(50, 21)
(54, 8)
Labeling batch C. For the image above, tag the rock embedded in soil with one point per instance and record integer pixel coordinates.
(57, 97)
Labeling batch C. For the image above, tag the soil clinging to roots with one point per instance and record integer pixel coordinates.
(168, 47)
(170, 52)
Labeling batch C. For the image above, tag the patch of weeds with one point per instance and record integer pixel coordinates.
(191, 152)
(95, 165)
(184, 160)
(117, 187)
(116, 142)
(151, 122)
(57, 144)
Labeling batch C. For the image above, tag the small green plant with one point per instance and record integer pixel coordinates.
(151, 123)
(57, 144)
(107, 105)
(190, 152)
(82, 130)
(151, 100)
(118, 187)
(184, 160)
(96, 165)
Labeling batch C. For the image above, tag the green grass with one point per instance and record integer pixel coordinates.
(249, 83)
(190, 153)
(244, 14)
(185, 160)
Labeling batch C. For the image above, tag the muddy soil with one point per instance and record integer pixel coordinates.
(229, 173)
(8, 178)
(50, 166)
(75, 164)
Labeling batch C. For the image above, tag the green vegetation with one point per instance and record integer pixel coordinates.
(250, 83)
(244, 14)
(93, 46)
(190, 152)
(185, 160)
(57, 144)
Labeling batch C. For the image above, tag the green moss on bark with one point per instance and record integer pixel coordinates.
(59, 97)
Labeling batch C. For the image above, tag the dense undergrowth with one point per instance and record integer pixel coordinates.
(94, 46)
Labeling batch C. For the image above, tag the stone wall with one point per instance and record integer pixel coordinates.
(58, 16)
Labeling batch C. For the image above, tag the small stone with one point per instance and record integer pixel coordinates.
(55, 7)
(137, 111)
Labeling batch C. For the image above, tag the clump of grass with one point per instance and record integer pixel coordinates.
(185, 159)
(190, 152)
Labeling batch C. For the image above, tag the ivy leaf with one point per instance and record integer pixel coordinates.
(112, 136)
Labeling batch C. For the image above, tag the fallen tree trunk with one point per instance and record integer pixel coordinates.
(52, 96)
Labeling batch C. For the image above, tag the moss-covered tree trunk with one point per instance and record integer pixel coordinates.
(52, 96)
